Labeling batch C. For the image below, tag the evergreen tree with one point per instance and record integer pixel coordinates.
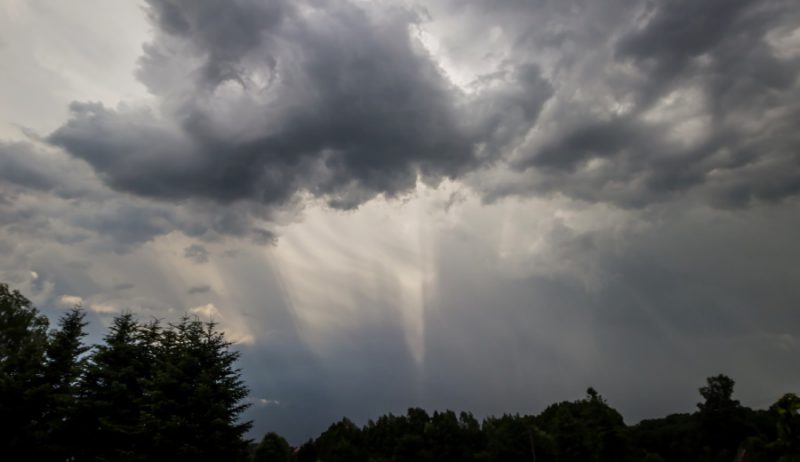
(62, 374)
(23, 344)
(195, 396)
(114, 394)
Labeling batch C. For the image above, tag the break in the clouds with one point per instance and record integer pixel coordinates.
(483, 205)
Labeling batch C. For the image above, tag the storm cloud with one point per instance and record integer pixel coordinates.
(262, 100)
(482, 205)
(655, 101)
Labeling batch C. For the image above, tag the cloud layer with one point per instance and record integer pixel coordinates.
(483, 205)
(260, 101)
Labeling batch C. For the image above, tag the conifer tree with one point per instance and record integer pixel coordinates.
(23, 343)
(114, 394)
(63, 370)
(196, 395)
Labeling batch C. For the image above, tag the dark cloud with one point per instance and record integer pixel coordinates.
(47, 195)
(28, 166)
(196, 253)
(694, 98)
(260, 101)
(18, 166)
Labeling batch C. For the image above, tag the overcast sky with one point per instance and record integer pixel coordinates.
(483, 205)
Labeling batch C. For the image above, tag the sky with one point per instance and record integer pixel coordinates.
(477, 205)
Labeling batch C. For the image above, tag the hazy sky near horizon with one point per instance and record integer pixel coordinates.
(477, 205)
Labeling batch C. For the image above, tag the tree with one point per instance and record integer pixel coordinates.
(342, 442)
(64, 366)
(113, 393)
(307, 452)
(153, 393)
(723, 424)
(787, 416)
(23, 344)
(195, 395)
(718, 394)
(273, 448)
(586, 430)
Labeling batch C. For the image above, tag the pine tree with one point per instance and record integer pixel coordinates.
(23, 343)
(113, 394)
(197, 395)
(63, 371)
(152, 393)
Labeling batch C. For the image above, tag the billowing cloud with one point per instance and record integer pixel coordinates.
(262, 100)
(656, 101)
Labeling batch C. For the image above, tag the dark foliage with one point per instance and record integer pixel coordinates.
(146, 393)
(584, 430)
(23, 360)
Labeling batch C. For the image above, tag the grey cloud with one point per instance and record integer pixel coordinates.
(49, 196)
(196, 253)
(28, 166)
(693, 99)
(261, 102)
(18, 167)
(264, 237)
(203, 289)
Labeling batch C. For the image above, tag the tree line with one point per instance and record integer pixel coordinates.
(153, 391)
(586, 430)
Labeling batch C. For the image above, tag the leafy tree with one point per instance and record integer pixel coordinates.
(509, 438)
(586, 430)
(787, 415)
(722, 420)
(23, 346)
(675, 437)
(273, 448)
(718, 394)
(342, 442)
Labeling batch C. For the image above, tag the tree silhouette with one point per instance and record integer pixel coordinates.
(63, 369)
(273, 448)
(23, 391)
